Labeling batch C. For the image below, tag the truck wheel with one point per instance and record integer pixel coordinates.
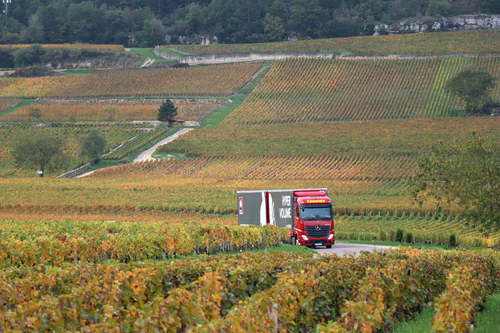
(297, 241)
(328, 246)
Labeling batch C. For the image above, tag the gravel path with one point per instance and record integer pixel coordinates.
(85, 174)
(341, 248)
(146, 155)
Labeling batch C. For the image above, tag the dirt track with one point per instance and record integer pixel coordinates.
(342, 248)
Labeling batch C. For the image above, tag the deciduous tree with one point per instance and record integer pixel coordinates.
(472, 86)
(39, 151)
(93, 146)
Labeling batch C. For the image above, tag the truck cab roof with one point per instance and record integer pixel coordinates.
(313, 200)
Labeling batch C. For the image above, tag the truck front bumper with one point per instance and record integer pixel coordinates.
(318, 242)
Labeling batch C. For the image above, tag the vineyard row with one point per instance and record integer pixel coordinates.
(317, 90)
(220, 80)
(251, 292)
(32, 243)
(309, 167)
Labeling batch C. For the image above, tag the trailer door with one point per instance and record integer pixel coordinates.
(281, 208)
(252, 208)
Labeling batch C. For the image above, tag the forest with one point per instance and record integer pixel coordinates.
(146, 22)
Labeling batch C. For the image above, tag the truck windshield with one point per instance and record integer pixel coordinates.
(316, 213)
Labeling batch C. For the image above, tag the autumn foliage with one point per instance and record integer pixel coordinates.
(220, 80)
(310, 90)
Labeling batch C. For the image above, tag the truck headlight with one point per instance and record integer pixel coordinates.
(331, 236)
(304, 237)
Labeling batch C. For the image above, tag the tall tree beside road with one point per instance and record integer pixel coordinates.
(92, 146)
(465, 174)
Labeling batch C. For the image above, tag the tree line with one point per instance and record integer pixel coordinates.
(231, 21)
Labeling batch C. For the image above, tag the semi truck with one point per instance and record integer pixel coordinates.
(306, 212)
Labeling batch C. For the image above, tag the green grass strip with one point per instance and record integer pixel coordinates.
(396, 244)
(488, 320)
(420, 324)
(21, 104)
(147, 53)
(174, 51)
(83, 71)
(218, 116)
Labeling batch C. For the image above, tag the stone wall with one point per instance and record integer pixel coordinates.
(75, 172)
(454, 23)
(238, 57)
(403, 56)
(97, 63)
(242, 57)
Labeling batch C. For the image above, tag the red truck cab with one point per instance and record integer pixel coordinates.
(313, 219)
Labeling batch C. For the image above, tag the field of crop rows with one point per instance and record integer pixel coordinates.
(115, 133)
(360, 137)
(310, 90)
(91, 47)
(110, 109)
(238, 293)
(220, 80)
(423, 227)
(55, 242)
(123, 195)
(484, 41)
(306, 167)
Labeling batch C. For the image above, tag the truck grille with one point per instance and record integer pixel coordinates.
(322, 231)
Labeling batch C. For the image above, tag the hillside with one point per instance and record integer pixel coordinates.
(309, 90)
(482, 41)
(356, 126)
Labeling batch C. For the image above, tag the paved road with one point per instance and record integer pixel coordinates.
(341, 248)
(146, 155)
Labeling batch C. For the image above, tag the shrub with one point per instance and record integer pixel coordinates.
(409, 237)
(453, 241)
(382, 235)
(399, 235)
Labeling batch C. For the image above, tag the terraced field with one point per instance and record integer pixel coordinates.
(351, 137)
(318, 90)
(112, 110)
(302, 167)
(221, 80)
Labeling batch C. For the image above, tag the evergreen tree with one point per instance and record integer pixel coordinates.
(167, 111)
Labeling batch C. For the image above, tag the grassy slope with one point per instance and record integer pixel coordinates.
(147, 53)
(218, 116)
(487, 321)
(21, 104)
(174, 51)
